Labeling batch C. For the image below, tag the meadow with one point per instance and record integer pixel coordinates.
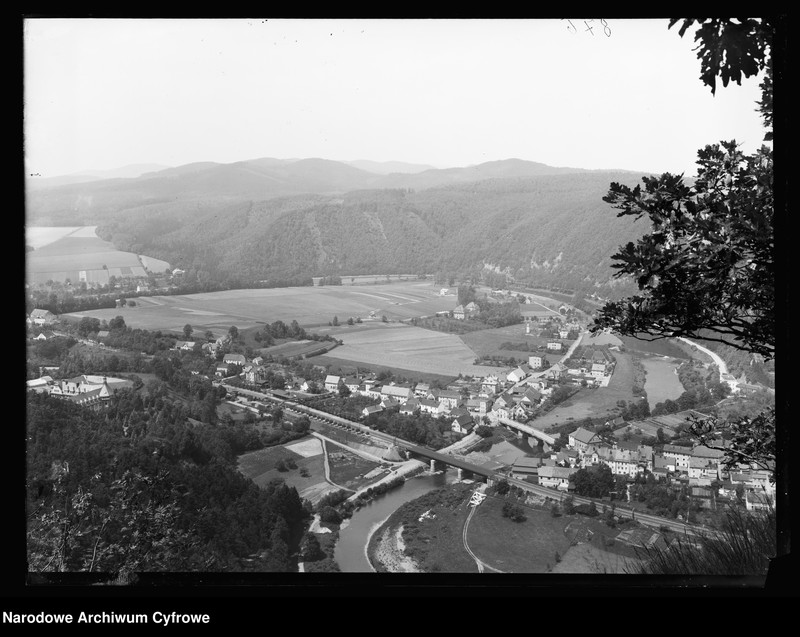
(311, 307)
(78, 254)
(412, 348)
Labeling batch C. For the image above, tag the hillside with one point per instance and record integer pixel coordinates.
(270, 219)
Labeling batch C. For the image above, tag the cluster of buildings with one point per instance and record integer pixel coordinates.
(695, 467)
(88, 391)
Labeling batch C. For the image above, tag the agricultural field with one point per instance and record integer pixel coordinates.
(78, 255)
(594, 402)
(411, 348)
(296, 348)
(261, 467)
(311, 307)
(488, 342)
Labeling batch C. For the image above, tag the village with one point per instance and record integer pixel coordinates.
(473, 406)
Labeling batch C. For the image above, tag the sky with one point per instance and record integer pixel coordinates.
(100, 94)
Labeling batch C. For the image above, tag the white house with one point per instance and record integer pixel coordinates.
(332, 382)
(554, 345)
(41, 317)
(234, 359)
(555, 477)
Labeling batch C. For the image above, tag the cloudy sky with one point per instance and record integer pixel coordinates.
(101, 94)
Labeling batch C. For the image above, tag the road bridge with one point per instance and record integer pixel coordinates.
(527, 429)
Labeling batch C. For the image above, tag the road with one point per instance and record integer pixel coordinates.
(723, 368)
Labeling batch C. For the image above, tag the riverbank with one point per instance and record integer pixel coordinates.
(390, 553)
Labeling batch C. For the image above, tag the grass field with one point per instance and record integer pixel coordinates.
(412, 348)
(526, 547)
(594, 402)
(488, 342)
(78, 254)
(311, 307)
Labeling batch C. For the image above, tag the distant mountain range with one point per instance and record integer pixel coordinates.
(267, 219)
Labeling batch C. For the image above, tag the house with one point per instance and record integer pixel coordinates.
(680, 455)
(624, 462)
(598, 370)
(256, 374)
(371, 409)
(234, 359)
(410, 407)
(479, 406)
(703, 468)
(555, 477)
(428, 406)
(554, 346)
(565, 457)
(520, 373)
(562, 333)
(400, 393)
(41, 317)
(642, 538)
(179, 345)
(536, 361)
(662, 466)
(44, 335)
(755, 501)
(459, 313)
(421, 390)
(452, 398)
(531, 397)
(353, 384)
(471, 309)
(463, 424)
(490, 385)
(524, 467)
(40, 385)
(581, 438)
(332, 382)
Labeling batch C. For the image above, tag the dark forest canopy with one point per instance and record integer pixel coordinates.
(544, 229)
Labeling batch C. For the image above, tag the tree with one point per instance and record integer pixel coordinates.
(117, 323)
(707, 269)
(594, 482)
(187, 331)
(233, 332)
(335, 321)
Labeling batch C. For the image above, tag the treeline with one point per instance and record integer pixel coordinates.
(137, 488)
(422, 429)
(278, 330)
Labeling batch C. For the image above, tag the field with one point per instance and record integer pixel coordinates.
(260, 467)
(488, 342)
(296, 348)
(411, 348)
(311, 307)
(78, 254)
(594, 402)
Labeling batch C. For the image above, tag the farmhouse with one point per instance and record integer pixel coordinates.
(554, 345)
(44, 335)
(41, 317)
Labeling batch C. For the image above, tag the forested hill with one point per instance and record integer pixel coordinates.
(547, 226)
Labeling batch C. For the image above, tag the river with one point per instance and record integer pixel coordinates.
(662, 381)
(350, 552)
